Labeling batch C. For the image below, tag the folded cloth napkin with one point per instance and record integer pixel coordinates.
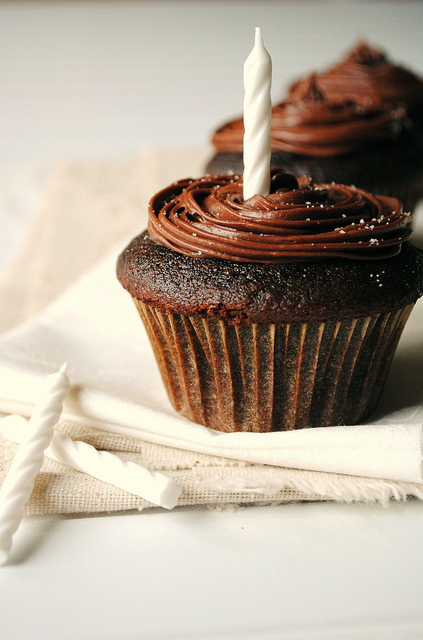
(118, 403)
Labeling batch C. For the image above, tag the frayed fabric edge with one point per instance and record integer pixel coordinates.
(311, 486)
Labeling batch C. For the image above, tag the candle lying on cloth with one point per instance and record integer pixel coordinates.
(108, 467)
(19, 483)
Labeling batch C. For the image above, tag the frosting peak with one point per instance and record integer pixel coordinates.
(309, 90)
(366, 55)
(366, 75)
(297, 221)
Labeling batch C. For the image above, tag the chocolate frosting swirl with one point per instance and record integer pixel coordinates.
(367, 76)
(308, 123)
(297, 221)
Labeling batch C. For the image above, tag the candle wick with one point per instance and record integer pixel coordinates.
(258, 36)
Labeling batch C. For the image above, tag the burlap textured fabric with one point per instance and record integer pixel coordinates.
(88, 208)
(206, 480)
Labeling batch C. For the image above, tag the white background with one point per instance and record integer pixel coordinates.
(105, 80)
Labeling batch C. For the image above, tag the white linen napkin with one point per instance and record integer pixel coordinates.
(116, 386)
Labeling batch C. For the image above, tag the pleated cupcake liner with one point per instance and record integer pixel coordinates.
(273, 377)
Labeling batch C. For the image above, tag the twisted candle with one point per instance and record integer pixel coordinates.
(257, 118)
(19, 482)
(108, 467)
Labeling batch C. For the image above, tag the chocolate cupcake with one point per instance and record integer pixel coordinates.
(274, 313)
(367, 76)
(331, 139)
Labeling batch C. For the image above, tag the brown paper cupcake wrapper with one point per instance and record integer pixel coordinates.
(273, 377)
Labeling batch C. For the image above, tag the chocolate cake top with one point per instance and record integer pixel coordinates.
(298, 220)
(308, 122)
(367, 76)
(262, 293)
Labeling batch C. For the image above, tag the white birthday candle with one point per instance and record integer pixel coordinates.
(108, 467)
(19, 482)
(257, 118)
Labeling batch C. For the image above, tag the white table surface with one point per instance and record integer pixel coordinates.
(105, 80)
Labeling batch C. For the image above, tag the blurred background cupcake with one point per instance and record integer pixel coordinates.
(273, 313)
(367, 76)
(371, 145)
